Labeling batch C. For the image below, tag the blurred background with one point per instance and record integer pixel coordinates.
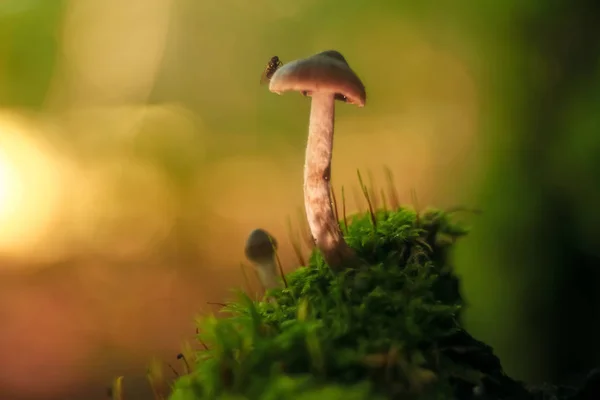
(138, 150)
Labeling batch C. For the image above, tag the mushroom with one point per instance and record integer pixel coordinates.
(325, 77)
(260, 249)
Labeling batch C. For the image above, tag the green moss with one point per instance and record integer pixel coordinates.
(385, 331)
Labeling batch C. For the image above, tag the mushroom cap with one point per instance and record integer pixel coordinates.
(260, 245)
(327, 71)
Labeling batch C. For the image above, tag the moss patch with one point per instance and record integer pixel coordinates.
(388, 330)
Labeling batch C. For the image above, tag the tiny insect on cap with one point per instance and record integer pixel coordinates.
(326, 72)
(260, 245)
(270, 69)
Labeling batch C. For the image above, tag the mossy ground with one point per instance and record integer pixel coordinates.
(388, 330)
(385, 331)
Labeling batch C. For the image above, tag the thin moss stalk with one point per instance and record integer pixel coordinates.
(344, 211)
(392, 192)
(295, 242)
(365, 192)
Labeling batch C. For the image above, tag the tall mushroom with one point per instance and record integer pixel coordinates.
(325, 77)
(260, 249)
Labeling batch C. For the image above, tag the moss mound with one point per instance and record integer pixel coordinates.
(390, 330)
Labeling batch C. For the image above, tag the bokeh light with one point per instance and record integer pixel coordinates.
(10, 187)
(31, 185)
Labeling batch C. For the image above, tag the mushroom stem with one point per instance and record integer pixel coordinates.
(317, 173)
(267, 273)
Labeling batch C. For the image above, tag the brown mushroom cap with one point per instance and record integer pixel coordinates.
(260, 245)
(323, 72)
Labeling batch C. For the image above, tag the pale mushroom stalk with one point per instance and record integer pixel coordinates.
(317, 176)
(325, 77)
(267, 273)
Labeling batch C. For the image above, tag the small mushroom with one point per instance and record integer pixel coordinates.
(325, 77)
(260, 249)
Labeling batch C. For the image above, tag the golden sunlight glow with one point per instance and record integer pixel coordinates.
(29, 187)
(10, 188)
